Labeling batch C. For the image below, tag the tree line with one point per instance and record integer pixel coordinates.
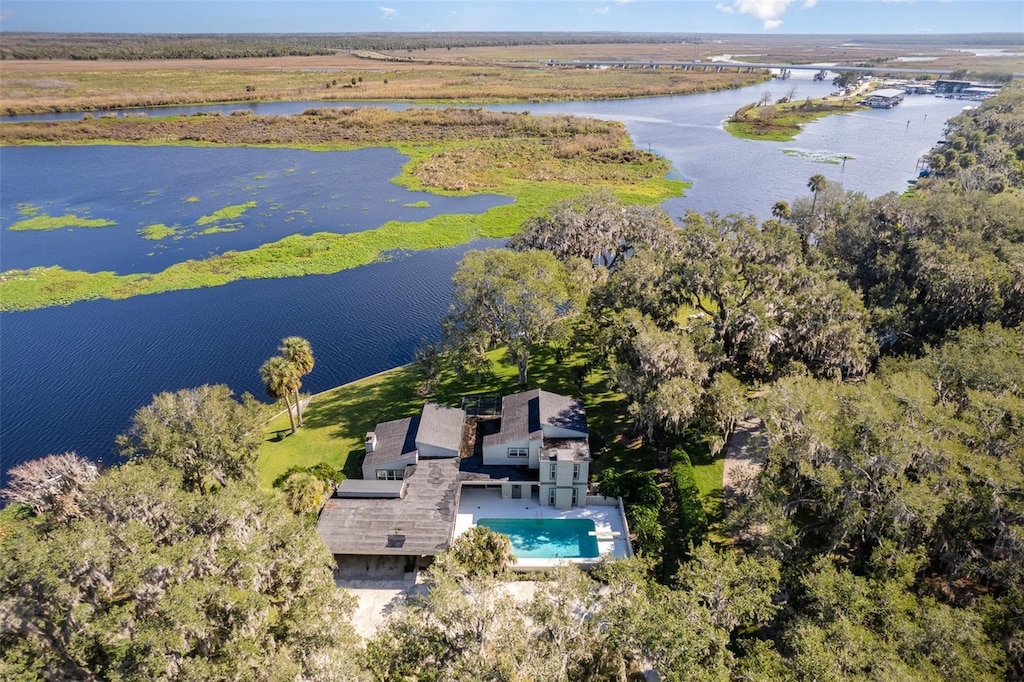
(131, 47)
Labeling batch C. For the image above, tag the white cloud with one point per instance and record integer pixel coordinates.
(603, 10)
(388, 13)
(768, 11)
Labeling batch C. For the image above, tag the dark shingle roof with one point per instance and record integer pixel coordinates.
(419, 524)
(441, 427)
(562, 411)
(395, 440)
(524, 414)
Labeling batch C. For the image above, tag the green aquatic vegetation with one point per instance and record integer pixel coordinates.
(28, 209)
(191, 200)
(226, 213)
(217, 229)
(819, 156)
(417, 204)
(560, 159)
(262, 176)
(42, 221)
(158, 231)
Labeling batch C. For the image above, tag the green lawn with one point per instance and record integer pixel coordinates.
(336, 422)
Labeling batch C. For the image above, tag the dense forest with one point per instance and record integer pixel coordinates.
(879, 340)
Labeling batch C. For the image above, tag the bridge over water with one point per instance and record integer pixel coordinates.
(751, 66)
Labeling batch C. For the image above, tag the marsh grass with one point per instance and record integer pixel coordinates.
(41, 221)
(108, 87)
(509, 154)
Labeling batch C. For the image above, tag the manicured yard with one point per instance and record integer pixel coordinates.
(336, 422)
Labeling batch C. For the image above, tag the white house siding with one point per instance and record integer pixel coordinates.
(498, 454)
(370, 470)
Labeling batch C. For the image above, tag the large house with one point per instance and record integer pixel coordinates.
(547, 432)
(415, 468)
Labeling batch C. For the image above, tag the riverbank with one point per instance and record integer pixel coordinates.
(537, 160)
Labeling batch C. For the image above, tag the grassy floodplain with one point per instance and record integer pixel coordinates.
(538, 160)
(44, 86)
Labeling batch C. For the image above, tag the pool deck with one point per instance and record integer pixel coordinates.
(478, 503)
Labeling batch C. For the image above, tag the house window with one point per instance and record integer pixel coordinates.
(518, 452)
(575, 496)
(390, 475)
(554, 471)
(551, 496)
(575, 472)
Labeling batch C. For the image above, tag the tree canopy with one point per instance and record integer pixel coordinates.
(203, 432)
(513, 298)
(156, 581)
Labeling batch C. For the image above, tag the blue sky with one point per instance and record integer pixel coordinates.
(684, 16)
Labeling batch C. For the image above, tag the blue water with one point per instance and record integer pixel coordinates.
(71, 377)
(547, 538)
(294, 192)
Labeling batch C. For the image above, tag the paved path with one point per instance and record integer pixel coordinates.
(744, 457)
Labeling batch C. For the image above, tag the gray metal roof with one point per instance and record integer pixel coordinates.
(418, 525)
(524, 414)
(441, 427)
(395, 440)
(888, 93)
(360, 488)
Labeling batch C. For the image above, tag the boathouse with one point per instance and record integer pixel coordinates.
(886, 98)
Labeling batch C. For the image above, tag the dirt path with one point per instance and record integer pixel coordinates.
(744, 457)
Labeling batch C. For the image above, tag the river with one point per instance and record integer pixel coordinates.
(71, 377)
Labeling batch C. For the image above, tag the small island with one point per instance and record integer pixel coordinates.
(783, 120)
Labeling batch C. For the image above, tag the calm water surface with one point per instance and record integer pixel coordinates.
(71, 377)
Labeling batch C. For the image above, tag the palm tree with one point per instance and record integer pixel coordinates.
(781, 210)
(280, 379)
(299, 354)
(816, 184)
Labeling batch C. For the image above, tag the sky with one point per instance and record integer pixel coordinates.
(675, 16)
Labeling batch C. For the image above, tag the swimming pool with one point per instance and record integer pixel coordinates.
(547, 538)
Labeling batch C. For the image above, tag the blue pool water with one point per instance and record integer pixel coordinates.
(547, 538)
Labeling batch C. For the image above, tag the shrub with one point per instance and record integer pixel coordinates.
(693, 521)
(482, 551)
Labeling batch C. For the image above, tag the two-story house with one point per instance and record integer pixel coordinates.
(547, 432)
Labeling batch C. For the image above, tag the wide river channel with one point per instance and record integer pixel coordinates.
(70, 377)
